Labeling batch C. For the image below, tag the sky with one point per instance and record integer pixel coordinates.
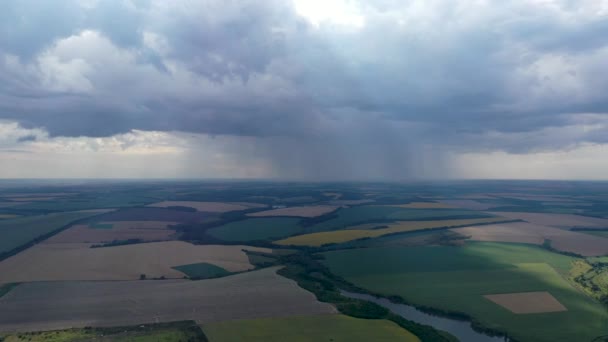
(389, 90)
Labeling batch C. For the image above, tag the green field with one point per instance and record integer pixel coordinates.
(456, 278)
(602, 233)
(308, 328)
(373, 213)
(185, 331)
(101, 226)
(202, 270)
(256, 229)
(20, 231)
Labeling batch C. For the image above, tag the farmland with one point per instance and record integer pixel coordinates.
(21, 231)
(562, 240)
(256, 229)
(305, 211)
(157, 214)
(523, 258)
(366, 214)
(61, 305)
(308, 328)
(46, 262)
(558, 220)
(456, 279)
(340, 236)
(122, 230)
(175, 331)
(212, 207)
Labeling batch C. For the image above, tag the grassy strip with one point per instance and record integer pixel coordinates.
(174, 331)
(316, 278)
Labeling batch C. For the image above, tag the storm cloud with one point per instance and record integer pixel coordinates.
(372, 89)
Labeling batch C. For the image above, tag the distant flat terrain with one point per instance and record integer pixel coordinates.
(61, 305)
(212, 207)
(303, 211)
(557, 220)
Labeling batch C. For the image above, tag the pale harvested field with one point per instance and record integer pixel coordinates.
(351, 202)
(76, 261)
(423, 205)
(557, 220)
(304, 211)
(8, 216)
(212, 207)
(367, 231)
(469, 204)
(60, 305)
(122, 230)
(524, 232)
(527, 302)
(335, 195)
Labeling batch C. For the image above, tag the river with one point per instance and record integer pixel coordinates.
(461, 329)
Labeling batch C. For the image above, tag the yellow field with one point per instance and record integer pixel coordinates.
(338, 236)
(423, 205)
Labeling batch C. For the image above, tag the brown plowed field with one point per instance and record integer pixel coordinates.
(527, 302)
(76, 261)
(123, 230)
(60, 305)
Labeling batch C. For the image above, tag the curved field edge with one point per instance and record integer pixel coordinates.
(314, 277)
(347, 235)
(250, 295)
(443, 290)
(34, 229)
(308, 328)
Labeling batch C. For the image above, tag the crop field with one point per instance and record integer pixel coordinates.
(340, 236)
(211, 207)
(424, 205)
(7, 216)
(527, 302)
(157, 214)
(45, 262)
(366, 214)
(308, 328)
(256, 229)
(202, 270)
(122, 230)
(351, 202)
(168, 332)
(458, 278)
(469, 204)
(563, 240)
(61, 305)
(20, 231)
(557, 220)
(304, 211)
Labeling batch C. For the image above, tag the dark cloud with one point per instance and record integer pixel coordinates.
(414, 76)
